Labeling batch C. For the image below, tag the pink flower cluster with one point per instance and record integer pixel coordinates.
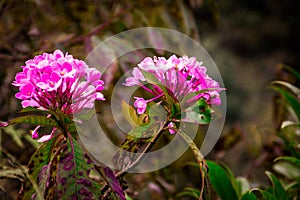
(58, 82)
(54, 81)
(181, 76)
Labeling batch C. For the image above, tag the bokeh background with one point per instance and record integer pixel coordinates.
(248, 40)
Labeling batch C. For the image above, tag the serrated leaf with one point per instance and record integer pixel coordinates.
(34, 119)
(73, 174)
(278, 190)
(221, 182)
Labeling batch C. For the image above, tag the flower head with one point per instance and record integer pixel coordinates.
(58, 82)
(54, 81)
(180, 76)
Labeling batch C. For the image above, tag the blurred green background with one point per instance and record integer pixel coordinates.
(248, 40)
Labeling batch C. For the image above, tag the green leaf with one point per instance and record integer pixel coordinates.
(128, 197)
(288, 166)
(113, 182)
(87, 115)
(139, 132)
(289, 134)
(293, 71)
(34, 119)
(189, 192)
(267, 195)
(292, 100)
(287, 85)
(150, 78)
(278, 190)
(248, 196)
(139, 136)
(221, 182)
(292, 189)
(243, 185)
(289, 159)
(131, 116)
(199, 113)
(31, 109)
(73, 174)
(287, 169)
(38, 161)
(176, 111)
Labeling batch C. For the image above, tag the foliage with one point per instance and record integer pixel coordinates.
(228, 187)
(46, 173)
(60, 168)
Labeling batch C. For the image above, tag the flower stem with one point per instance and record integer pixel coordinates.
(199, 157)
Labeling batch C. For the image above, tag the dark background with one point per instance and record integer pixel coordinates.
(248, 40)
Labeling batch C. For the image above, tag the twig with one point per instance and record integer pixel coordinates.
(146, 149)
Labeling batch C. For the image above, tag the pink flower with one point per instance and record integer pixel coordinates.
(172, 129)
(3, 124)
(50, 82)
(26, 91)
(137, 76)
(34, 133)
(181, 76)
(140, 104)
(57, 81)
